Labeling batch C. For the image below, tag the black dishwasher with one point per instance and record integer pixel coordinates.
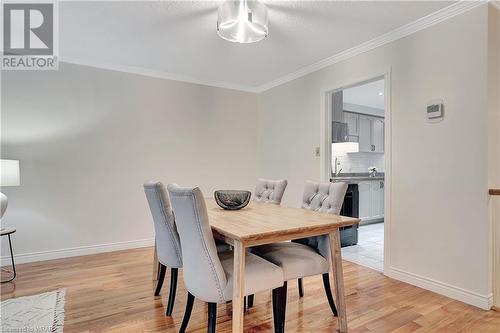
(350, 207)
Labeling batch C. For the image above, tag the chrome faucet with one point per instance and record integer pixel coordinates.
(336, 171)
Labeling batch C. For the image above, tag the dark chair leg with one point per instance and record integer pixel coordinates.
(328, 291)
(163, 268)
(187, 313)
(250, 301)
(212, 317)
(279, 308)
(173, 289)
(301, 288)
(282, 301)
(276, 319)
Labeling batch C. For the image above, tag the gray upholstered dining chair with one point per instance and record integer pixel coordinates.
(270, 191)
(308, 256)
(208, 275)
(168, 247)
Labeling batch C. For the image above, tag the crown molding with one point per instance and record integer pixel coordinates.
(441, 15)
(158, 74)
(495, 4)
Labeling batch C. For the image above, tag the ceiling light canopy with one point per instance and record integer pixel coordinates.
(242, 21)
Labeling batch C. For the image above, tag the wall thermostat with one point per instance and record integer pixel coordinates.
(435, 111)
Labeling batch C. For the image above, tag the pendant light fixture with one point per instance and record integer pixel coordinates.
(242, 21)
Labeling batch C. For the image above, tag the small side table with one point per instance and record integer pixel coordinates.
(7, 232)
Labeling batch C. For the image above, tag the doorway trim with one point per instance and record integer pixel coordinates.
(325, 144)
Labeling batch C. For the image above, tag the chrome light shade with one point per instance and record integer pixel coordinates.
(242, 21)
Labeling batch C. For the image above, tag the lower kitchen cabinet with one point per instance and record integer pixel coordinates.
(371, 200)
(377, 189)
(365, 201)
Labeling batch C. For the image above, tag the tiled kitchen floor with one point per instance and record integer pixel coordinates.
(370, 248)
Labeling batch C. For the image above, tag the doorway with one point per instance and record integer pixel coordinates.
(356, 150)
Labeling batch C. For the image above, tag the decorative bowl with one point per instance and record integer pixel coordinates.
(231, 199)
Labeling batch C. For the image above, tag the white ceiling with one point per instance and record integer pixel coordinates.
(368, 94)
(179, 38)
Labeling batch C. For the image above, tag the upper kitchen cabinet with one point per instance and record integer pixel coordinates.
(337, 103)
(352, 121)
(365, 134)
(370, 132)
(378, 135)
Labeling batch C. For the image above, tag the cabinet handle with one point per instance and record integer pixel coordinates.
(381, 184)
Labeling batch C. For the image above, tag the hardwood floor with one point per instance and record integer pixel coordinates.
(113, 292)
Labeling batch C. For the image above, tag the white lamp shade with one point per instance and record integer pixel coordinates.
(9, 173)
(242, 21)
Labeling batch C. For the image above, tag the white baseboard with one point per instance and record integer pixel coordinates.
(76, 251)
(484, 302)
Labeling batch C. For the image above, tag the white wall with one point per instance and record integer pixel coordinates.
(494, 141)
(439, 235)
(87, 139)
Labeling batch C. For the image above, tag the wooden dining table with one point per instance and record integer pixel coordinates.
(263, 223)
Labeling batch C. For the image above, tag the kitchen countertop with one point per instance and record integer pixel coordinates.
(351, 177)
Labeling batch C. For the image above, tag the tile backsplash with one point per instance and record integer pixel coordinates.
(357, 162)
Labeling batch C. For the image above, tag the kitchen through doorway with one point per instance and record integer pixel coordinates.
(357, 157)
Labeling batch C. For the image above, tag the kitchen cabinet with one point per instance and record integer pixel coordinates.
(352, 123)
(377, 199)
(378, 135)
(365, 134)
(368, 131)
(371, 200)
(365, 201)
(337, 100)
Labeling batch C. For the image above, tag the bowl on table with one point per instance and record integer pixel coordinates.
(232, 199)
